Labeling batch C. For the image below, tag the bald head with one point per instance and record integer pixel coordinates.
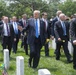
(58, 13)
(62, 17)
(36, 14)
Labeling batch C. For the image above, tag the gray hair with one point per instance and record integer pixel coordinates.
(36, 11)
(24, 15)
(58, 12)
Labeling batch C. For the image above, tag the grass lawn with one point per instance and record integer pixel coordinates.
(55, 67)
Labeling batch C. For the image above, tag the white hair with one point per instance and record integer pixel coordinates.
(36, 11)
(24, 15)
(62, 14)
(58, 12)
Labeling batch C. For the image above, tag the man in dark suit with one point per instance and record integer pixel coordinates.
(73, 36)
(52, 27)
(1, 22)
(23, 22)
(36, 37)
(61, 30)
(16, 34)
(48, 32)
(6, 34)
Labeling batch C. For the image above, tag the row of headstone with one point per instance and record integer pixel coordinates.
(20, 65)
(70, 47)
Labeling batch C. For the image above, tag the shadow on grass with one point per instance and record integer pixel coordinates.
(63, 55)
(11, 58)
(11, 68)
(48, 56)
(21, 51)
(1, 59)
(73, 72)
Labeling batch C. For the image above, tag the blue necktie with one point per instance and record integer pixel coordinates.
(16, 31)
(64, 28)
(36, 27)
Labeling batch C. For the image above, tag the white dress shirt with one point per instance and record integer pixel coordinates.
(15, 26)
(5, 29)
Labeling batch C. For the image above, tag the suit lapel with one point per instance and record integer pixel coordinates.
(61, 26)
(33, 23)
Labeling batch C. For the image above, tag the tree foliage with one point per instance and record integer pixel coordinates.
(68, 7)
(19, 7)
(3, 8)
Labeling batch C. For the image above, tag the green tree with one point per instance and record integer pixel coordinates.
(68, 7)
(3, 9)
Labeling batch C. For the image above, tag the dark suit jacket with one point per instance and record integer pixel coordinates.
(11, 31)
(31, 31)
(48, 32)
(58, 30)
(21, 23)
(73, 29)
(14, 35)
(52, 28)
(0, 28)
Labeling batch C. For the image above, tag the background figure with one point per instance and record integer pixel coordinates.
(16, 34)
(1, 22)
(23, 22)
(61, 30)
(6, 34)
(52, 28)
(73, 36)
(48, 32)
(36, 38)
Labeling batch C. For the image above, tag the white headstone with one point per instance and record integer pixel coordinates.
(6, 58)
(53, 44)
(43, 72)
(70, 47)
(19, 65)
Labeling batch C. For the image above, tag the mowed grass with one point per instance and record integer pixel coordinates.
(60, 67)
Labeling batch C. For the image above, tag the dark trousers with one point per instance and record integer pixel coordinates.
(47, 49)
(35, 52)
(15, 44)
(65, 48)
(74, 56)
(7, 43)
(55, 49)
(25, 45)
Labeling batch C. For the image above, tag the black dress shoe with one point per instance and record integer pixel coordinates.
(57, 58)
(74, 68)
(70, 61)
(29, 63)
(46, 55)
